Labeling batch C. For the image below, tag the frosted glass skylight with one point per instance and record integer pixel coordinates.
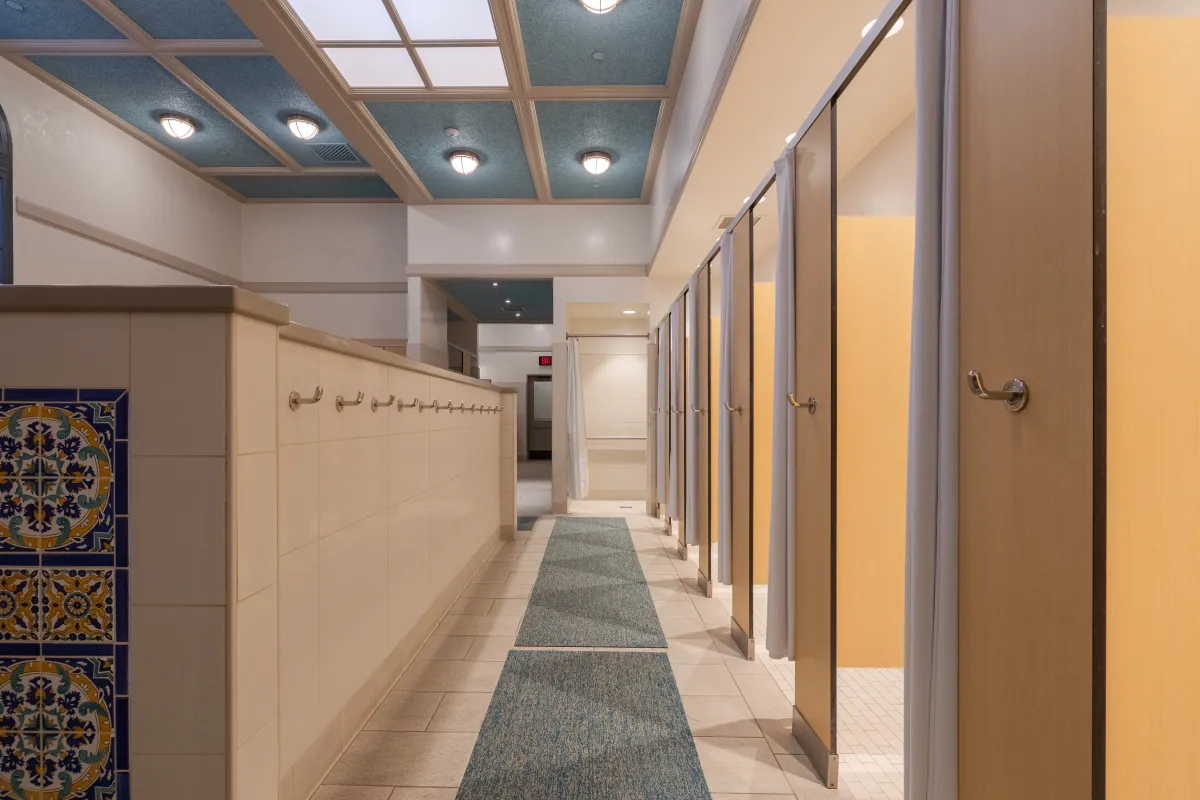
(463, 66)
(375, 67)
(347, 20)
(426, 20)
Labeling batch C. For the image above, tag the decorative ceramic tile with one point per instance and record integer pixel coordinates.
(19, 605)
(78, 605)
(63, 594)
(57, 466)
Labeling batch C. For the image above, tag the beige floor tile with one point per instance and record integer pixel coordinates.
(478, 606)
(461, 711)
(404, 711)
(464, 625)
(509, 607)
(683, 627)
(490, 648)
(704, 679)
(740, 765)
(412, 793)
(451, 676)
(521, 579)
(764, 697)
(353, 793)
(804, 782)
(524, 567)
(491, 576)
(719, 716)
(445, 648)
(497, 590)
(723, 796)
(675, 609)
(779, 735)
(738, 665)
(388, 758)
(693, 650)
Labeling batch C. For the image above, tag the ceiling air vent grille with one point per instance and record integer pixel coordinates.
(727, 220)
(336, 153)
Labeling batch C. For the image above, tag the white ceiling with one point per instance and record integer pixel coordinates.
(792, 52)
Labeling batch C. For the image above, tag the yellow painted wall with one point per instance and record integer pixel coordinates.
(764, 413)
(1153, 408)
(875, 258)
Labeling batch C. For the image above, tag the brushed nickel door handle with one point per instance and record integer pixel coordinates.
(810, 404)
(1014, 396)
(728, 407)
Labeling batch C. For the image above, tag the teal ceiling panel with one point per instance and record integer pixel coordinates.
(52, 19)
(534, 300)
(185, 19)
(313, 187)
(139, 91)
(263, 91)
(488, 129)
(567, 45)
(622, 128)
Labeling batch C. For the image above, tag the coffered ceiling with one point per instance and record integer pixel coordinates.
(396, 86)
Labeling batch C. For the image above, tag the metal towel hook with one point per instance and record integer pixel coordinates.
(343, 402)
(728, 407)
(413, 404)
(1015, 394)
(699, 410)
(376, 404)
(295, 400)
(437, 408)
(810, 404)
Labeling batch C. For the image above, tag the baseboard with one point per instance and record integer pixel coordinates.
(508, 533)
(704, 583)
(823, 761)
(304, 777)
(681, 550)
(744, 641)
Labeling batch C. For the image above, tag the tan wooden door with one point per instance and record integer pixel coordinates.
(679, 418)
(652, 426)
(741, 476)
(1028, 529)
(698, 415)
(814, 722)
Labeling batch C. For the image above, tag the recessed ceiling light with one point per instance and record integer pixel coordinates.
(464, 162)
(896, 28)
(745, 200)
(628, 311)
(177, 126)
(788, 139)
(597, 162)
(302, 127)
(506, 302)
(598, 55)
(495, 284)
(599, 6)
(518, 313)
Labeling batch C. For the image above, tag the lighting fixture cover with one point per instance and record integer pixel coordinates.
(177, 126)
(599, 6)
(347, 20)
(446, 20)
(897, 26)
(596, 162)
(376, 67)
(464, 66)
(464, 162)
(303, 127)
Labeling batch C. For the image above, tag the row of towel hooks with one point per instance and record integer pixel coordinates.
(295, 401)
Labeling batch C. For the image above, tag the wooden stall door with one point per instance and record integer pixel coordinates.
(814, 722)
(1030, 697)
(741, 564)
(699, 412)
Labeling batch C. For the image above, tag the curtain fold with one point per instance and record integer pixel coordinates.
(662, 428)
(931, 570)
(724, 452)
(672, 405)
(781, 574)
(691, 400)
(577, 464)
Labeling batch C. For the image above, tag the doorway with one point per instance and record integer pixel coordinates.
(539, 416)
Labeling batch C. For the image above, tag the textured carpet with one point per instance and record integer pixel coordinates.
(582, 726)
(590, 590)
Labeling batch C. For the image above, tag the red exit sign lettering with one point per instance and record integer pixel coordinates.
(543, 361)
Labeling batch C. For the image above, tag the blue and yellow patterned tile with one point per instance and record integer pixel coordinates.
(20, 604)
(79, 605)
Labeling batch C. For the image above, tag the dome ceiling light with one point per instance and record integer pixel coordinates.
(597, 162)
(177, 126)
(303, 127)
(464, 162)
(599, 6)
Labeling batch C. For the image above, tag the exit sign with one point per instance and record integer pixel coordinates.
(543, 361)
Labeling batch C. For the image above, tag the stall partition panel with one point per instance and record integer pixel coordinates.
(1030, 688)
(700, 410)
(814, 722)
(741, 375)
(652, 427)
(680, 417)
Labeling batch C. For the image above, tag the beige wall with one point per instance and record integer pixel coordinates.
(382, 518)
(614, 405)
(875, 258)
(1153, 424)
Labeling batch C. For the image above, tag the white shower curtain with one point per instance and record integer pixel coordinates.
(675, 498)
(692, 400)
(577, 456)
(662, 420)
(781, 574)
(931, 571)
(724, 453)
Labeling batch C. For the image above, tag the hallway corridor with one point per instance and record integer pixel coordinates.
(418, 743)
